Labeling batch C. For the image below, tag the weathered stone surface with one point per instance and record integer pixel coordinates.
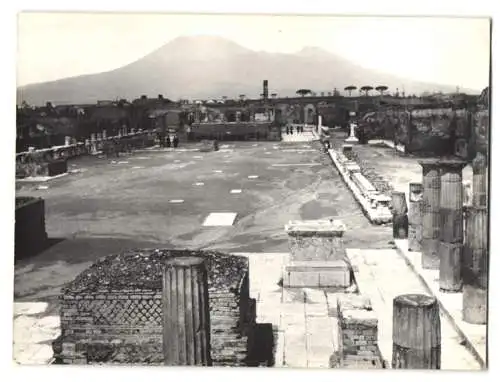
(131, 311)
(316, 240)
(311, 273)
(358, 333)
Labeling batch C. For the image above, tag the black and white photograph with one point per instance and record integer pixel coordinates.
(243, 190)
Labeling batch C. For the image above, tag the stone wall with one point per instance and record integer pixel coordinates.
(237, 131)
(30, 234)
(112, 312)
(358, 333)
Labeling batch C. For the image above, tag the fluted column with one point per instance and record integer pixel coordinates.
(399, 215)
(431, 184)
(479, 179)
(415, 217)
(186, 316)
(475, 266)
(451, 222)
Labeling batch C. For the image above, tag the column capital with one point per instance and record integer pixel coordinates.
(452, 164)
(429, 163)
(479, 162)
(416, 187)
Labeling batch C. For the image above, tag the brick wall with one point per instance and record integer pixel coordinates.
(358, 334)
(112, 312)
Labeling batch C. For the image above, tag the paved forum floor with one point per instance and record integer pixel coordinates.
(109, 207)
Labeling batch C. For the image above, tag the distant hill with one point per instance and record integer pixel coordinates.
(212, 67)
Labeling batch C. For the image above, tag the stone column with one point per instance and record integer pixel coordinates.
(93, 143)
(317, 254)
(479, 180)
(415, 218)
(186, 315)
(399, 215)
(104, 134)
(431, 184)
(451, 222)
(475, 266)
(416, 332)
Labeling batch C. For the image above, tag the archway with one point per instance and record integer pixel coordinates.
(309, 113)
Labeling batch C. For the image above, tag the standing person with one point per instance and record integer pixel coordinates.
(167, 141)
(176, 141)
(291, 129)
(287, 130)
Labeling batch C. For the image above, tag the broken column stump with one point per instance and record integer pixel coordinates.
(475, 266)
(317, 255)
(415, 218)
(451, 233)
(431, 184)
(186, 315)
(399, 215)
(416, 332)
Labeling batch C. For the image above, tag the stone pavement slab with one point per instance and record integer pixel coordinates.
(474, 336)
(34, 332)
(305, 333)
(382, 275)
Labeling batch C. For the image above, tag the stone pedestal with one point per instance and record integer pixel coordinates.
(431, 184)
(415, 218)
(352, 134)
(317, 255)
(67, 140)
(186, 314)
(347, 150)
(451, 222)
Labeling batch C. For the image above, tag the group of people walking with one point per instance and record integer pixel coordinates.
(289, 129)
(165, 141)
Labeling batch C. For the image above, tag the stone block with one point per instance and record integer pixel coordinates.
(317, 274)
(316, 239)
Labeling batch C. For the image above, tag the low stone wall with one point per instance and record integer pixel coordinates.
(112, 312)
(53, 161)
(37, 167)
(30, 234)
(358, 333)
(375, 204)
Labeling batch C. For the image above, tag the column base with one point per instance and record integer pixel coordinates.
(352, 140)
(475, 305)
(430, 254)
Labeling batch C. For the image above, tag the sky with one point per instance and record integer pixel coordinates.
(451, 51)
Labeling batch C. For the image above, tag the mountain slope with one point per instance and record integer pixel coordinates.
(211, 67)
